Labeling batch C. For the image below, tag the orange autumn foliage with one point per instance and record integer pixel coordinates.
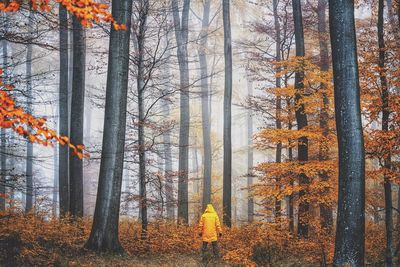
(41, 240)
(279, 180)
(24, 124)
(87, 11)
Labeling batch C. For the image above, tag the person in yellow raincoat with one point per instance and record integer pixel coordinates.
(210, 229)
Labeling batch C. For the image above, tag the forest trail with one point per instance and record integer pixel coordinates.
(151, 260)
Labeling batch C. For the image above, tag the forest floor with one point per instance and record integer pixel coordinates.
(128, 260)
(162, 261)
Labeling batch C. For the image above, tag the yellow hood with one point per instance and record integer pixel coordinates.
(210, 209)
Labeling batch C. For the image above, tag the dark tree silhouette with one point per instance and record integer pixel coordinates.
(349, 244)
(301, 117)
(77, 112)
(104, 234)
(181, 35)
(63, 154)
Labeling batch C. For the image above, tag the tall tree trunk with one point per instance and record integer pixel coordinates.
(227, 179)
(3, 157)
(385, 128)
(278, 105)
(77, 112)
(325, 209)
(301, 118)
(141, 35)
(350, 230)
(63, 151)
(205, 111)
(181, 34)
(250, 155)
(104, 234)
(169, 182)
(29, 148)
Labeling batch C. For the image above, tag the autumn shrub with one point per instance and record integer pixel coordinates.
(375, 242)
(40, 240)
(37, 239)
(248, 244)
(163, 238)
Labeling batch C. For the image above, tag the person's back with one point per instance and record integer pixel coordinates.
(210, 228)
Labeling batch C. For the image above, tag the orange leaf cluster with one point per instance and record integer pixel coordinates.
(87, 11)
(280, 180)
(24, 124)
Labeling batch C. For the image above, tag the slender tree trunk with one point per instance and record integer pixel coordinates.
(301, 119)
(104, 234)
(227, 179)
(161, 185)
(385, 128)
(29, 148)
(291, 197)
(350, 230)
(144, 8)
(181, 34)
(290, 158)
(205, 110)
(63, 151)
(278, 106)
(250, 155)
(195, 166)
(325, 209)
(3, 157)
(77, 112)
(87, 163)
(169, 185)
(55, 183)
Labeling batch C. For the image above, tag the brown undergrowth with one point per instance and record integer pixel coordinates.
(40, 240)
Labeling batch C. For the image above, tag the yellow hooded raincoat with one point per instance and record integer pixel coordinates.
(209, 225)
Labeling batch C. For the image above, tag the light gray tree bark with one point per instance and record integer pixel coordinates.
(168, 170)
(3, 157)
(227, 176)
(205, 110)
(29, 148)
(55, 198)
(250, 155)
(141, 87)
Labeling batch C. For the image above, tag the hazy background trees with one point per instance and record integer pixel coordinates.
(228, 102)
